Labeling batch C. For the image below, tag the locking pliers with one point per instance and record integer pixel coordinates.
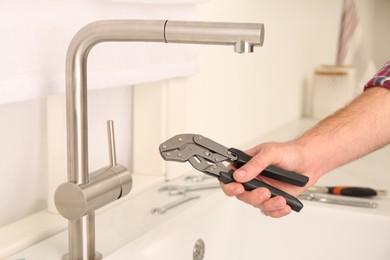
(212, 158)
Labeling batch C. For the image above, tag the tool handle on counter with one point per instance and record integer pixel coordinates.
(352, 191)
(271, 171)
(294, 203)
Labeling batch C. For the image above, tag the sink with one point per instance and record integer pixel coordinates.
(232, 230)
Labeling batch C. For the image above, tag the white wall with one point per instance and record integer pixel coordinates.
(381, 38)
(236, 98)
(23, 177)
(375, 23)
(233, 98)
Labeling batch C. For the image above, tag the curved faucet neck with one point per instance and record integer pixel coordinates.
(241, 35)
(76, 81)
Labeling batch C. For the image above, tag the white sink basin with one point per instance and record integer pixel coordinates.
(232, 230)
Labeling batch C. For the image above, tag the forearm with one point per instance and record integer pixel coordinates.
(354, 131)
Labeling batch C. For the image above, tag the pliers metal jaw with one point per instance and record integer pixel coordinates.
(213, 159)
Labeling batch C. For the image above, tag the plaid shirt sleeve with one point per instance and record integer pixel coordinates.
(381, 79)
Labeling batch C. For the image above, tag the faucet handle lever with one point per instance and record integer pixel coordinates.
(111, 142)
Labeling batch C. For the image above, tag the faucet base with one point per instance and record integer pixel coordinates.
(98, 256)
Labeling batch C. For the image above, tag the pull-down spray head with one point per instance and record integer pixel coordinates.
(243, 36)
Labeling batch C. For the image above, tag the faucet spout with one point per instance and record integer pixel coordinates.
(236, 34)
(243, 36)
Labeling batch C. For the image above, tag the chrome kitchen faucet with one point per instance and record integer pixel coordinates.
(78, 198)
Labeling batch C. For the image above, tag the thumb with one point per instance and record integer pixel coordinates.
(250, 170)
(263, 155)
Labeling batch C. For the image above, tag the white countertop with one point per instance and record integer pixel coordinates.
(130, 218)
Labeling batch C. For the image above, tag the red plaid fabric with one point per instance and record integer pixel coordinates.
(381, 79)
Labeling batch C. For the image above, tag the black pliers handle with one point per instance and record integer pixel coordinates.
(274, 173)
(208, 156)
(270, 172)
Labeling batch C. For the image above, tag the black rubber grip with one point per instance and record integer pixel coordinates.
(271, 171)
(294, 203)
(353, 191)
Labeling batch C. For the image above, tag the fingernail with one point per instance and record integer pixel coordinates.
(237, 191)
(279, 202)
(240, 174)
(265, 195)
